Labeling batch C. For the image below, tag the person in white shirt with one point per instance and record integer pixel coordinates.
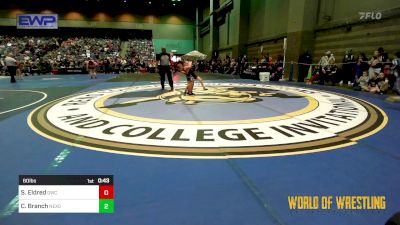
(327, 59)
(3, 67)
(165, 69)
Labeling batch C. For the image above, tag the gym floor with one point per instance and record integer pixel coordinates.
(226, 190)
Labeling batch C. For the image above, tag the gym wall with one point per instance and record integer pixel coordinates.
(339, 27)
(316, 25)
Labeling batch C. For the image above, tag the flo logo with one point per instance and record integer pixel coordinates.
(227, 120)
(370, 15)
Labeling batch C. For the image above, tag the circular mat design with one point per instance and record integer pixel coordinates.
(226, 120)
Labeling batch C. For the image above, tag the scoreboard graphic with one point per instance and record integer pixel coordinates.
(66, 194)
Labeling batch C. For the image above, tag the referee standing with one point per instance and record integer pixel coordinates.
(165, 69)
(11, 64)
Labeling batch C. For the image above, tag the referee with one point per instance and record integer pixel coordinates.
(165, 69)
(11, 64)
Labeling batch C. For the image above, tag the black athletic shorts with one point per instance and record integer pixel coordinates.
(190, 76)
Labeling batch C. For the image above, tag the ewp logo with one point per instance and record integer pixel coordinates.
(37, 21)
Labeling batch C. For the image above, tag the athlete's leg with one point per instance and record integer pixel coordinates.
(162, 77)
(170, 81)
(190, 87)
(201, 82)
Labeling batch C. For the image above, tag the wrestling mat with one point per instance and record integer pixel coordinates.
(239, 152)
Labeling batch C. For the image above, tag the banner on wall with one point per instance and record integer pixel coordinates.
(180, 46)
(221, 2)
(37, 21)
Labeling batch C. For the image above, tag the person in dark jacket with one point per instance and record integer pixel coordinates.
(304, 65)
(11, 65)
(348, 74)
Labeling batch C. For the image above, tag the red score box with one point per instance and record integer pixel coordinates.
(106, 192)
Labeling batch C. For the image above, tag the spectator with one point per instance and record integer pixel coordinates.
(18, 72)
(304, 65)
(361, 65)
(383, 83)
(3, 66)
(328, 70)
(324, 61)
(11, 64)
(362, 82)
(315, 74)
(277, 71)
(329, 74)
(373, 84)
(383, 56)
(378, 84)
(396, 72)
(375, 65)
(348, 67)
(388, 74)
(91, 67)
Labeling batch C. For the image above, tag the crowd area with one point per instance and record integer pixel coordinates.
(243, 66)
(376, 74)
(44, 55)
(49, 55)
(141, 56)
(29, 52)
(73, 52)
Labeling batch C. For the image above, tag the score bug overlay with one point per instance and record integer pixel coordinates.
(66, 194)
